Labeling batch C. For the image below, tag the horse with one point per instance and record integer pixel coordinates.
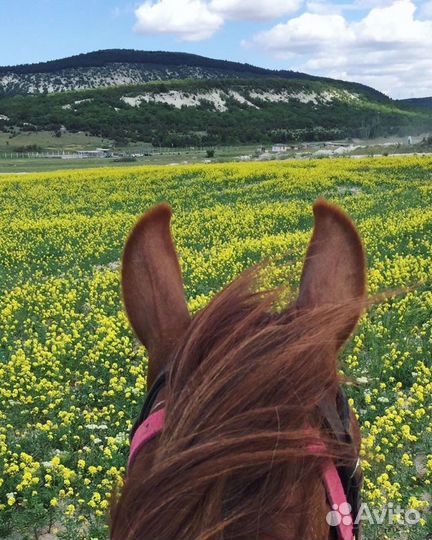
(246, 431)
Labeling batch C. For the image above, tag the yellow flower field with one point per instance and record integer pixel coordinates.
(72, 376)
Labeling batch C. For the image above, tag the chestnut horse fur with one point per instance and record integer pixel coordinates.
(244, 380)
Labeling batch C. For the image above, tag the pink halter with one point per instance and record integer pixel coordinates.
(150, 428)
(153, 425)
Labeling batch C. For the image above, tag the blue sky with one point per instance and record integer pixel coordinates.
(383, 43)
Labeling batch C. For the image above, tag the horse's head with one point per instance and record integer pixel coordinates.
(254, 414)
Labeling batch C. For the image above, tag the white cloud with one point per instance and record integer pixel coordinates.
(196, 20)
(189, 20)
(389, 48)
(426, 10)
(393, 24)
(305, 34)
(255, 11)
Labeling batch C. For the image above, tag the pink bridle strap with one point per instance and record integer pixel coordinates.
(153, 425)
(337, 499)
(150, 428)
(335, 494)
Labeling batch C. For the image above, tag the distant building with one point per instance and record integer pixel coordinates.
(99, 153)
(280, 148)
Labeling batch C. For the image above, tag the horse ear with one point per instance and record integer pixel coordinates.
(334, 272)
(152, 287)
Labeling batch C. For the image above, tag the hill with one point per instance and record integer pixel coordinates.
(179, 99)
(418, 103)
(114, 67)
(183, 113)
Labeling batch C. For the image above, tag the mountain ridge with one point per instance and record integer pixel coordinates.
(210, 112)
(182, 99)
(424, 103)
(114, 67)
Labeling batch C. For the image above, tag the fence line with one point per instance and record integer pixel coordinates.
(74, 155)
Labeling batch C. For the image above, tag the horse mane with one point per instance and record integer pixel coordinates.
(241, 411)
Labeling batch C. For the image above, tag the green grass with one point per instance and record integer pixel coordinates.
(68, 142)
(159, 157)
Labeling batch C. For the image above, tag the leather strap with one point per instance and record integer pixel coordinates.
(149, 402)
